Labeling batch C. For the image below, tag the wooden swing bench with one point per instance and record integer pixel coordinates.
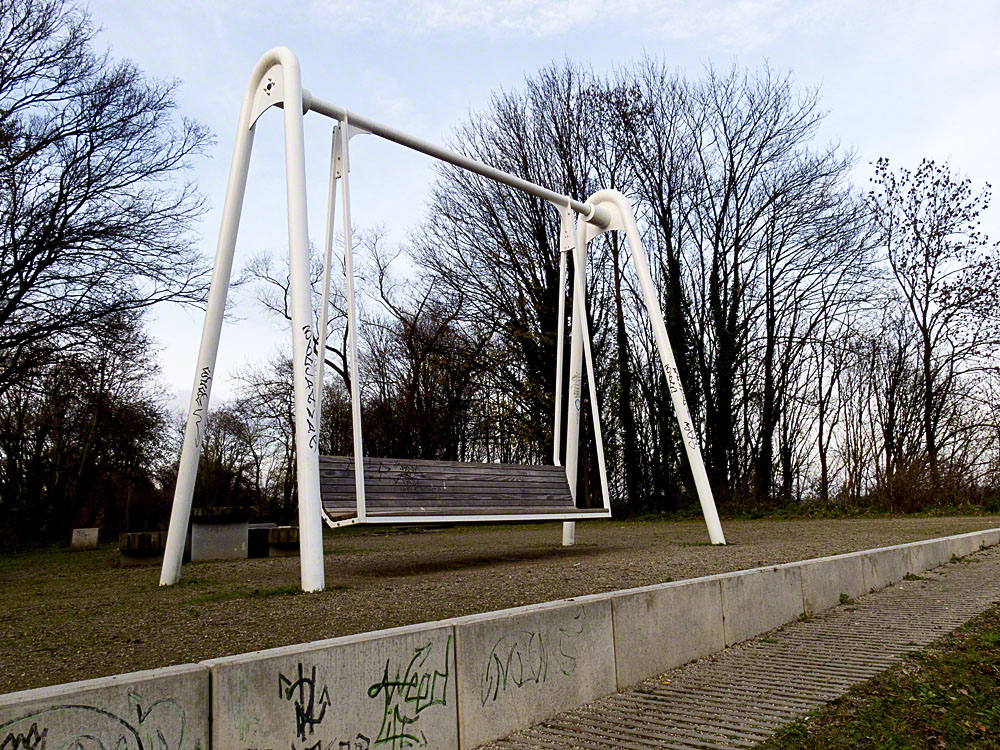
(417, 491)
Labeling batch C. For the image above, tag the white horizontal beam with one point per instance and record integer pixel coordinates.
(592, 214)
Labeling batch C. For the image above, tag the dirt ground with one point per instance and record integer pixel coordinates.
(71, 616)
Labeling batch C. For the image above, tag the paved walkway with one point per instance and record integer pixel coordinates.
(742, 695)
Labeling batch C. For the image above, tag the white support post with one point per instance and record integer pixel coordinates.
(194, 429)
(303, 351)
(283, 85)
(567, 233)
(625, 220)
(352, 335)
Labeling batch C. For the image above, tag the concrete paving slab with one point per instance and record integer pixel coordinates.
(826, 579)
(522, 665)
(387, 689)
(159, 709)
(884, 567)
(661, 627)
(755, 601)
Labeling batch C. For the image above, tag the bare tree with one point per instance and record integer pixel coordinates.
(94, 224)
(948, 276)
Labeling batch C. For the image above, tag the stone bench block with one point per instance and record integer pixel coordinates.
(283, 541)
(387, 689)
(825, 579)
(141, 548)
(83, 539)
(217, 540)
(661, 627)
(519, 666)
(884, 567)
(755, 601)
(159, 708)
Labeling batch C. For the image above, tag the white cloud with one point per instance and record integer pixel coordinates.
(739, 24)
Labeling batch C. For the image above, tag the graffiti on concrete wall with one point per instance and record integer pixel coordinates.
(521, 658)
(407, 692)
(155, 726)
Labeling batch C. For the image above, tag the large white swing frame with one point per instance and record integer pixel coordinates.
(276, 81)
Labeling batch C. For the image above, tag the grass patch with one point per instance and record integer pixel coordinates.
(947, 696)
(227, 596)
(913, 577)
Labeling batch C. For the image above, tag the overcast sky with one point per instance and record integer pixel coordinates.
(899, 79)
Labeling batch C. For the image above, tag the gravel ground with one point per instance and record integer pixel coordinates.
(72, 616)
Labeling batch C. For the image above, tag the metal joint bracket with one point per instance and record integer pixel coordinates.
(339, 146)
(567, 229)
(271, 93)
(615, 221)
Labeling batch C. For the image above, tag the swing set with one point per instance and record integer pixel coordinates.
(344, 491)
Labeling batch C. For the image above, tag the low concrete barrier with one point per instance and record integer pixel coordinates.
(390, 688)
(454, 683)
(84, 539)
(826, 579)
(166, 709)
(755, 601)
(519, 666)
(661, 627)
(929, 554)
(884, 567)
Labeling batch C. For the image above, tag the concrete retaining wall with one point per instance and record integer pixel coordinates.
(454, 683)
(165, 709)
(391, 688)
(519, 666)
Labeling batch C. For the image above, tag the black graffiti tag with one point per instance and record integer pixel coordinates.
(309, 708)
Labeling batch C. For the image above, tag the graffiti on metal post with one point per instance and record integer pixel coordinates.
(407, 695)
(201, 402)
(310, 369)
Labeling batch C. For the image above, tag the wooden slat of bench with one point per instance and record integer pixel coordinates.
(337, 465)
(409, 486)
(499, 510)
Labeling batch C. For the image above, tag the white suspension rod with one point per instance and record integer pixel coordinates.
(567, 231)
(352, 325)
(324, 313)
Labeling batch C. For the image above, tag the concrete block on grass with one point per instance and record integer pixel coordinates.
(884, 567)
(826, 579)
(520, 666)
(661, 627)
(755, 601)
(159, 708)
(83, 539)
(218, 541)
(391, 688)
